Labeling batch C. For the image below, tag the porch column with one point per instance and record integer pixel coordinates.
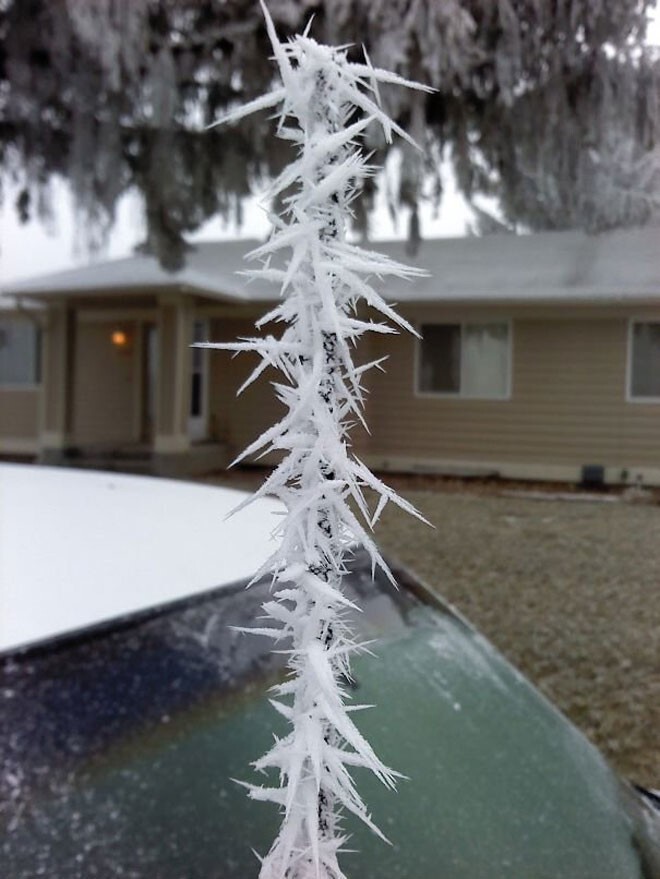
(171, 438)
(57, 367)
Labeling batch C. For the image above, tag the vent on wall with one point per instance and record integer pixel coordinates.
(593, 476)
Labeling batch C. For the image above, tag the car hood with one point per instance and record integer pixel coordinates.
(119, 747)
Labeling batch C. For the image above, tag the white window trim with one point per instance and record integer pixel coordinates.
(459, 395)
(629, 361)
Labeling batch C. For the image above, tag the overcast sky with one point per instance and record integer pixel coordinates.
(28, 250)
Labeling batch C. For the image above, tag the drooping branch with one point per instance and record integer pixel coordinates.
(550, 107)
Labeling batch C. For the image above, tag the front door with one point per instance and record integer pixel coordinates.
(198, 417)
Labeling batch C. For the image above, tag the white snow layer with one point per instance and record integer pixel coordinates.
(80, 547)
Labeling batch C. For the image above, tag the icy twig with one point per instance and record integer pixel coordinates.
(322, 285)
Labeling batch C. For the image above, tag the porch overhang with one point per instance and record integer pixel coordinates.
(78, 343)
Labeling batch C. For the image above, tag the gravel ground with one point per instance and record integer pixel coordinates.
(568, 590)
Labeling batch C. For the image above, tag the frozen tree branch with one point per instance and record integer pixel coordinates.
(323, 284)
(113, 96)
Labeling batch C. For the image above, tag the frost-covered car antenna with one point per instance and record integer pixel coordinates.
(323, 283)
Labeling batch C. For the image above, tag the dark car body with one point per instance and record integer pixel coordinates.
(119, 745)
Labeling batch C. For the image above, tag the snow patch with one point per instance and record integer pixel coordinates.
(81, 547)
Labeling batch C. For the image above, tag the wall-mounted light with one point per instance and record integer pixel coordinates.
(119, 338)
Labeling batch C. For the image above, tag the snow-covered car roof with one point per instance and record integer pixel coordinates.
(78, 548)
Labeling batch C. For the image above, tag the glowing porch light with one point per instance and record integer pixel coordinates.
(119, 338)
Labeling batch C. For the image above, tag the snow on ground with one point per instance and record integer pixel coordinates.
(80, 547)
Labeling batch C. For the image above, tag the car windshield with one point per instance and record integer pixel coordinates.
(119, 746)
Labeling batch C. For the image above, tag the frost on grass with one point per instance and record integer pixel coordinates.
(325, 104)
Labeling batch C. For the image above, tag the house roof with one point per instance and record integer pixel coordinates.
(549, 267)
(210, 269)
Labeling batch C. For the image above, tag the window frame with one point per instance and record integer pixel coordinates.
(38, 366)
(630, 398)
(461, 395)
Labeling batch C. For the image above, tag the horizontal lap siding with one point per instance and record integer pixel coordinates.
(239, 421)
(567, 407)
(19, 415)
(106, 381)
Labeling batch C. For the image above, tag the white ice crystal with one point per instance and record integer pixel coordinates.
(326, 102)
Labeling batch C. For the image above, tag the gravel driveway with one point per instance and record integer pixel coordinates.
(568, 590)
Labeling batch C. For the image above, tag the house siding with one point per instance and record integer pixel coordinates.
(105, 384)
(567, 408)
(238, 421)
(19, 420)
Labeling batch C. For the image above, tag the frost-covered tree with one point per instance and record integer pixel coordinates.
(323, 282)
(551, 105)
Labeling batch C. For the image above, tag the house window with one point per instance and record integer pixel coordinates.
(19, 353)
(465, 360)
(644, 373)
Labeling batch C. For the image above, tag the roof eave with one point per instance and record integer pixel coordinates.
(44, 296)
(559, 297)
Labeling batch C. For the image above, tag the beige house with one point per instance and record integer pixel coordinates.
(540, 356)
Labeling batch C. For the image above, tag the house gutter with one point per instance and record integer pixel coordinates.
(43, 297)
(558, 296)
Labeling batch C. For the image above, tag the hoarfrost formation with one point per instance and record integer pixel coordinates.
(322, 284)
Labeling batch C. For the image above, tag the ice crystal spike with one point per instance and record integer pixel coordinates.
(323, 282)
